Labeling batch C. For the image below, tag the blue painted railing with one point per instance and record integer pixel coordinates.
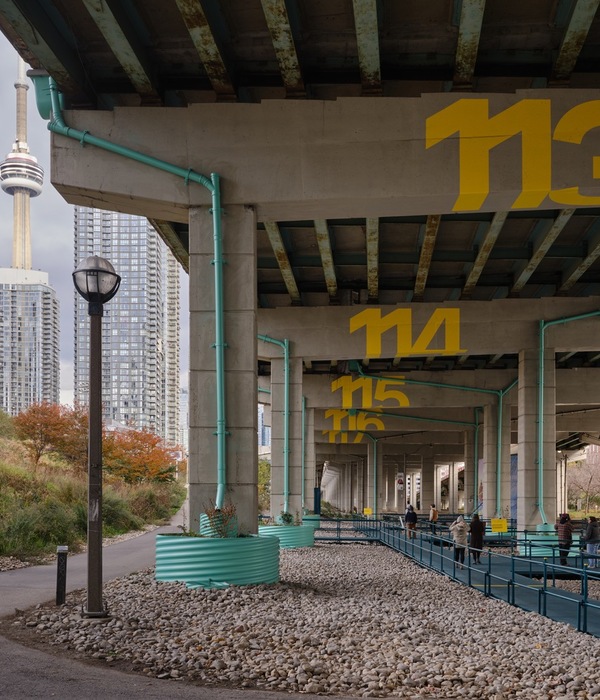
(521, 577)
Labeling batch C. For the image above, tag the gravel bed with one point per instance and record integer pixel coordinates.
(351, 619)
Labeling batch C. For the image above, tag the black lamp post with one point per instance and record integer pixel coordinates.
(97, 282)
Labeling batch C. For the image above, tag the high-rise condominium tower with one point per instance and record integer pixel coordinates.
(140, 328)
(29, 311)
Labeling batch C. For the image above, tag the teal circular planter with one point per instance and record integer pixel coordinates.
(290, 536)
(314, 520)
(216, 562)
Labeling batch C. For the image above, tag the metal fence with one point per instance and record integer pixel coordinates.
(521, 569)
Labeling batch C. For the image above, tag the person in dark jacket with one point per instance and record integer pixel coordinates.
(591, 538)
(411, 522)
(564, 528)
(477, 528)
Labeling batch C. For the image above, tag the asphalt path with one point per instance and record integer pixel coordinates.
(28, 672)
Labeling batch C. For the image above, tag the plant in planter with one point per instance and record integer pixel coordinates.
(286, 518)
(309, 517)
(219, 522)
(290, 531)
(217, 556)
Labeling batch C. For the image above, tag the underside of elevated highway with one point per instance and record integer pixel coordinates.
(390, 216)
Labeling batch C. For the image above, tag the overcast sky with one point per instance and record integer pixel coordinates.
(51, 218)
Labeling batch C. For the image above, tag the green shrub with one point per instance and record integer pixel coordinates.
(72, 491)
(157, 502)
(39, 512)
(116, 516)
(38, 528)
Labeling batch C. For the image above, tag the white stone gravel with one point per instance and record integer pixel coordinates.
(354, 620)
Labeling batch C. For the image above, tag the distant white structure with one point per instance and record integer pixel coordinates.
(29, 309)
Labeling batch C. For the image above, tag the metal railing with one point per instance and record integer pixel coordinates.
(524, 574)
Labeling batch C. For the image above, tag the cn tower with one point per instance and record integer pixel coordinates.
(22, 177)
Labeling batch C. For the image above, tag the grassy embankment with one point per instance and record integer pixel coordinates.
(42, 509)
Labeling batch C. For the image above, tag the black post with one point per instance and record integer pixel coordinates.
(94, 540)
(61, 573)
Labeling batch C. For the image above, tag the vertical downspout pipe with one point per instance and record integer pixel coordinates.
(57, 125)
(219, 342)
(540, 407)
(501, 394)
(476, 462)
(285, 346)
(303, 456)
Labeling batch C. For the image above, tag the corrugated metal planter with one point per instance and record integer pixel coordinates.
(290, 536)
(213, 562)
(314, 520)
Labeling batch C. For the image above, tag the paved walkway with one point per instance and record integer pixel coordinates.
(30, 673)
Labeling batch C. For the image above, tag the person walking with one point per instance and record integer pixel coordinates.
(477, 529)
(411, 522)
(591, 538)
(433, 517)
(564, 528)
(460, 532)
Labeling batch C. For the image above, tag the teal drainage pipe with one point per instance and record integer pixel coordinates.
(499, 393)
(285, 345)
(57, 125)
(476, 462)
(303, 455)
(540, 407)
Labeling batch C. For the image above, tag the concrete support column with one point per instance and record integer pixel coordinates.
(412, 482)
(310, 460)
(374, 477)
(469, 473)
(392, 488)
(239, 299)
(505, 481)
(487, 473)
(428, 492)
(452, 488)
(360, 484)
(528, 512)
(278, 499)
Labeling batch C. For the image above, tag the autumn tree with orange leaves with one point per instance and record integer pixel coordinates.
(139, 455)
(37, 428)
(131, 455)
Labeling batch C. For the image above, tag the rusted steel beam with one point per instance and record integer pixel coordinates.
(431, 230)
(206, 46)
(574, 38)
(324, 243)
(283, 43)
(372, 240)
(367, 40)
(274, 234)
(572, 275)
(542, 246)
(125, 45)
(484, 253)
(469, 32)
